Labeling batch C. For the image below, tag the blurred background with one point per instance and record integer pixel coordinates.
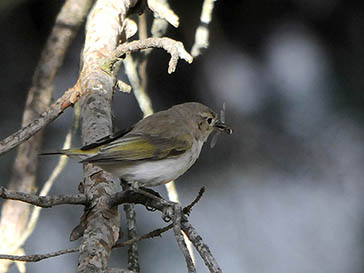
(284, 192)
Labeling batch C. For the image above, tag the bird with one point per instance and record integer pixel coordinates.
(157, 149)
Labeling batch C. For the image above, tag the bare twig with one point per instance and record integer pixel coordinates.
(62, 162)
(173, 196)
(69, 98)
(133, 255)
(43, 201)
(159, 26)
(174, 48)
(139, 92)
(152, 234)
(164, 12)
(202, 31)
(38, 257)
(187, 210)
(201, 247)
(65, 28)
(180, 240)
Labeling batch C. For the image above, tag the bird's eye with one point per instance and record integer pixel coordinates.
(209, 121)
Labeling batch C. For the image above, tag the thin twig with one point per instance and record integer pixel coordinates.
(66, 26)
(187, 210)
(174, 48)
(133, 255)
(173, 196)
(62, 162)
(38, 257)
(200, 246)
(152, 234)
(43, 201)
(139, 92)
(180, 239)
(70, 97)
(202, 31)
(164, 12)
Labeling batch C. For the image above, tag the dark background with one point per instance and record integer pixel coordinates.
(284, 192)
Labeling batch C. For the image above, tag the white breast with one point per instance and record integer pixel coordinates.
(156, 172)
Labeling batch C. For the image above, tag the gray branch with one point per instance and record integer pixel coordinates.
(180, 240)
(201, 247)
(38, 257)
(174, 48)
(43, 201)
(133, 255)
(66, 26)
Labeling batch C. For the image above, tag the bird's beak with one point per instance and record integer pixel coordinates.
(222, 127)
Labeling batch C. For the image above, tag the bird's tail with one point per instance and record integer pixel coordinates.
(73, 153)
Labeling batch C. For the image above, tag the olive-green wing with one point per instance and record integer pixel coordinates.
(140, 147)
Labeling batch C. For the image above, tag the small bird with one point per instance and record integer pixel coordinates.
(157, 149)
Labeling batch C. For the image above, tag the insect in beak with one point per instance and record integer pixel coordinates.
(222, 127)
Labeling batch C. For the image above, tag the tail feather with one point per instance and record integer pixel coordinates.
(73, 153)
(52, 153)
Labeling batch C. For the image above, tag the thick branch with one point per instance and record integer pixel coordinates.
(103, 32)
(43, 201)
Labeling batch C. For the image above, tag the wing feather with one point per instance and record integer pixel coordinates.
(141, 147)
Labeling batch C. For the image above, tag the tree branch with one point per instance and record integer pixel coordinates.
(174, 48)
(66, 26)
(200, 246)
(43, 201)
(133, 255)
(163, 11)
(180, 240)
(152, 234)
(38, 257)
(202, 31)
(102, 222)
